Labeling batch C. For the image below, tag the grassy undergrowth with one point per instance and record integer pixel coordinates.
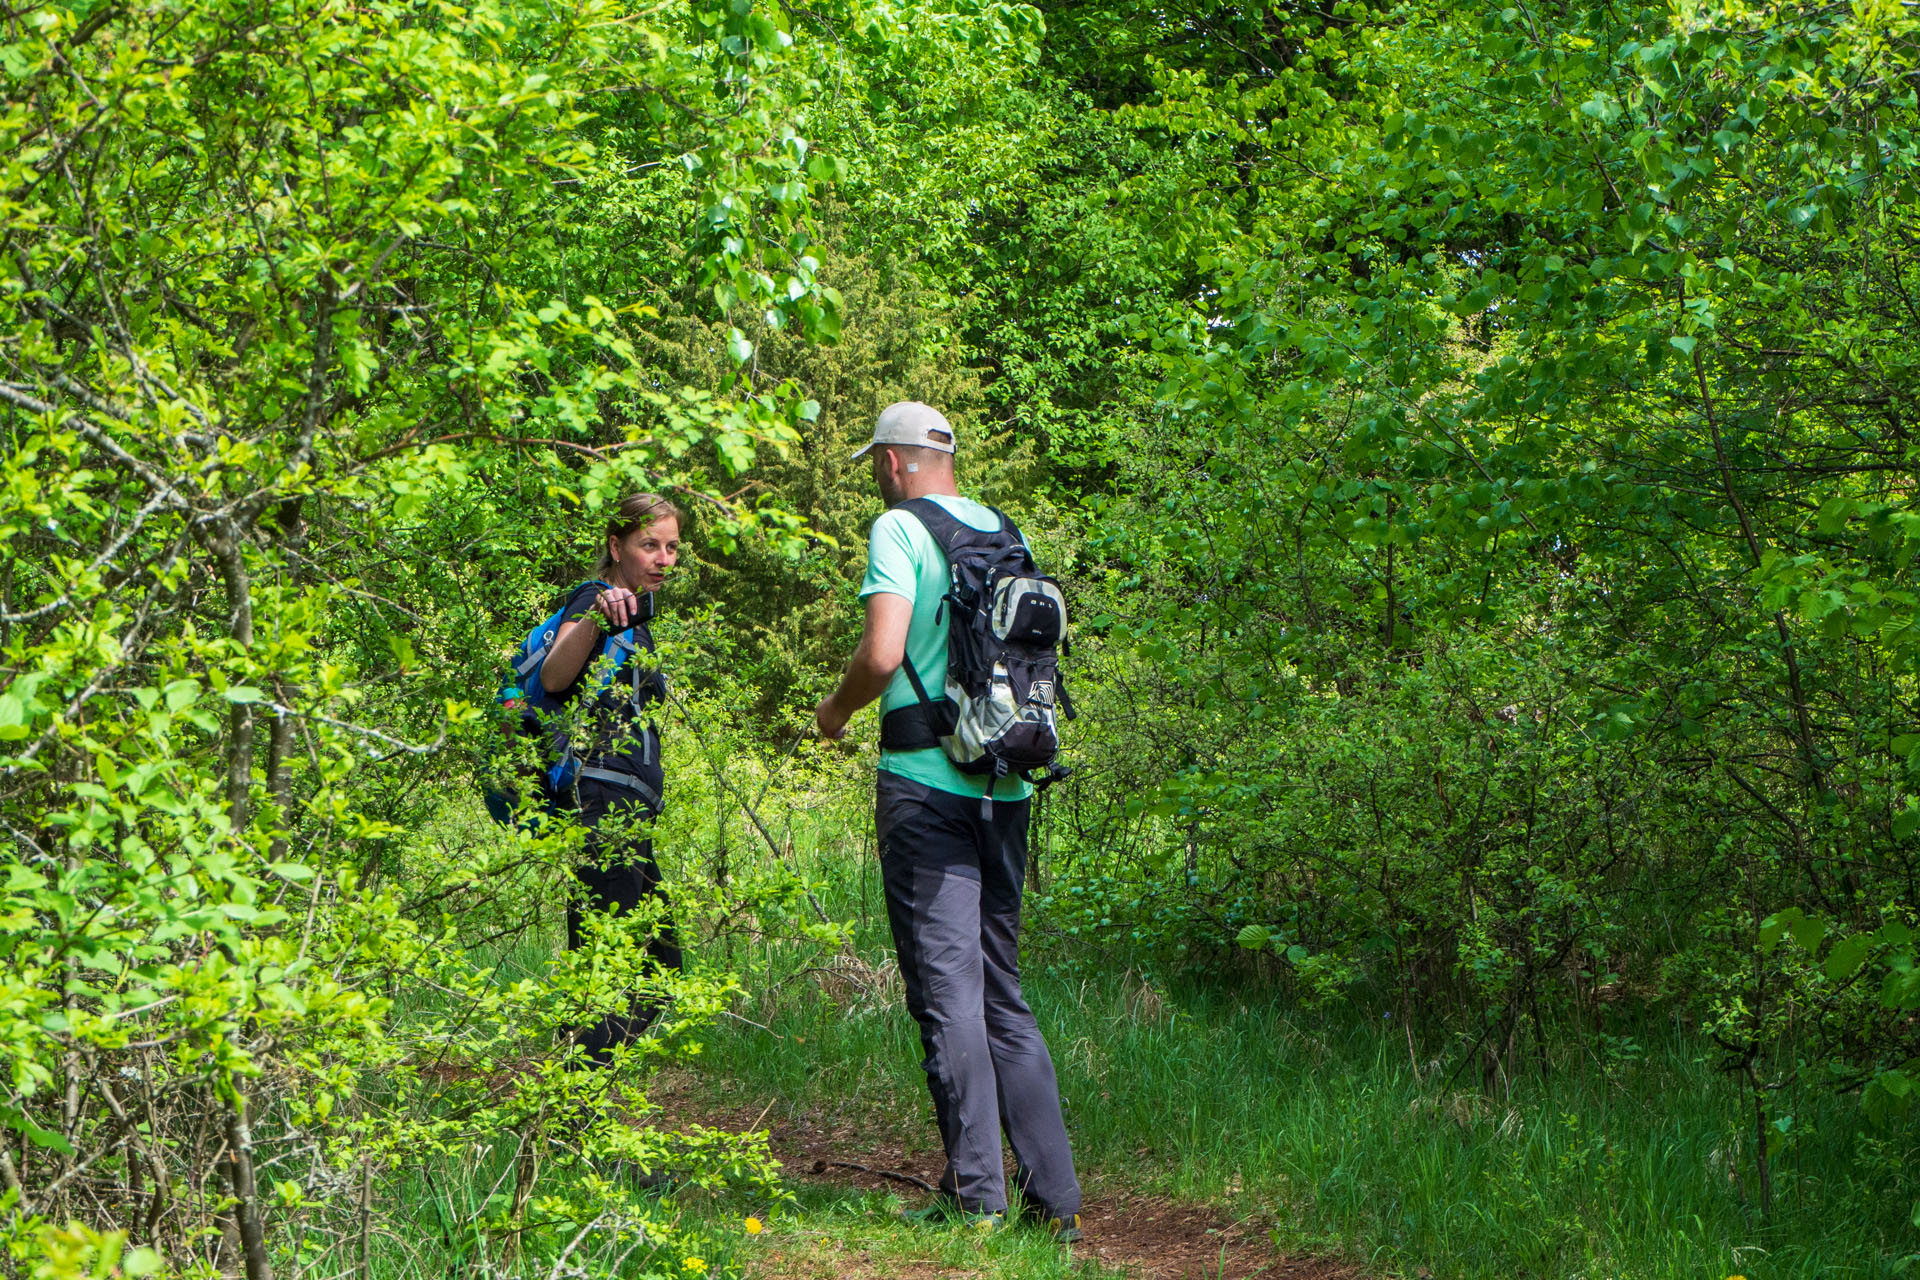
(457, 1202)
(1316, 1127)
(1630, 1161)
(822, 1232)
(692, 1235)
(1627, 1156)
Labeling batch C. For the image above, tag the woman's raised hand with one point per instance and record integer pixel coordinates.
(617, 605)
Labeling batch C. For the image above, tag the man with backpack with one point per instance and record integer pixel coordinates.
(952, 806)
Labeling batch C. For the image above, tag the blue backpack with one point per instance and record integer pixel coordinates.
(528, 710)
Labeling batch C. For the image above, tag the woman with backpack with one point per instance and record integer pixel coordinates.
(599, 672)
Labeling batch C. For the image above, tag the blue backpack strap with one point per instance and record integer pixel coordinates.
(539, 642)
(619, 646)
(533, 655)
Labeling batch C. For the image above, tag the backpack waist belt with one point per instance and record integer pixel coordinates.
(917, 727)
(907, 729)
(613, 777)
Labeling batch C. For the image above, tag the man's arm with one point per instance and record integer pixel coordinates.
(883, 644)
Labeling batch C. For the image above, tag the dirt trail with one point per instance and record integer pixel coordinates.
(1154, 1238)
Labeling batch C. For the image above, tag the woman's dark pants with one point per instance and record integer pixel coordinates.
(617, 872)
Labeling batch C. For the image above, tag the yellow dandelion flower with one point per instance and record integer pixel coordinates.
(754, 1226)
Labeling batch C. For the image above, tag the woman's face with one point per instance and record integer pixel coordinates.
(642, 559)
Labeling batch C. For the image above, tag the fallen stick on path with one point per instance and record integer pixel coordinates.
(821, 1166)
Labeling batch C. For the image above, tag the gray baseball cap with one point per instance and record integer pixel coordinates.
(911, 423)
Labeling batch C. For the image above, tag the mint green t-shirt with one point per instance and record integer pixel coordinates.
(904, 560)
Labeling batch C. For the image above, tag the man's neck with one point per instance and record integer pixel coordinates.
(921, 484)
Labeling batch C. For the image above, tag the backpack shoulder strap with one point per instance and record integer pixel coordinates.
(918, 727)
(533, 651)
(952, 533)
(1007, 526)
(946, 528)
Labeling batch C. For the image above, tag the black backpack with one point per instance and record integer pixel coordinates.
(1006, 630)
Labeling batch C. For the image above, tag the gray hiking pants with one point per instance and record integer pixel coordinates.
(953, 882)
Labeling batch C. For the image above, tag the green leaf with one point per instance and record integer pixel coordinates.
(181, 693)
(1775, 926)
(16, 1119)
(1888, 1097)
(1254, 936)
(1847, 956)
(1682, 343)
(1809, 932)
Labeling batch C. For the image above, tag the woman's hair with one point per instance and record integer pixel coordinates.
(634, 512)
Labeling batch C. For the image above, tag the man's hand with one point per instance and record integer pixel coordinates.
(829, 719)
(618, 606)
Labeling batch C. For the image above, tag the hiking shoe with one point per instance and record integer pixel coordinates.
(1063, 1227)
(945, 1213)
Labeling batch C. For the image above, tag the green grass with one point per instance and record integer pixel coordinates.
(1313, 1121)
(1315, 1125)
(854, 1235)
(822, 1231)
(449, 1199)
(1630, 1157)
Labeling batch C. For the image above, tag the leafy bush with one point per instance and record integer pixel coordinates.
(303, 420)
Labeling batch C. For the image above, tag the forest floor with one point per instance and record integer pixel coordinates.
(1227, 1127)
(1224, 1132)
(850, 1171)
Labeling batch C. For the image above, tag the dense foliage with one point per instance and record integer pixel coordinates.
(1511, 609)
(1549, 503)
(304, 404)
(1476, 440)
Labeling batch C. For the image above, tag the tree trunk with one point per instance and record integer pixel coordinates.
(227, 550)
(239, 1170)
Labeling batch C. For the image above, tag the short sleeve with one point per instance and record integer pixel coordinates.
(891, 564)
(581, 601)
